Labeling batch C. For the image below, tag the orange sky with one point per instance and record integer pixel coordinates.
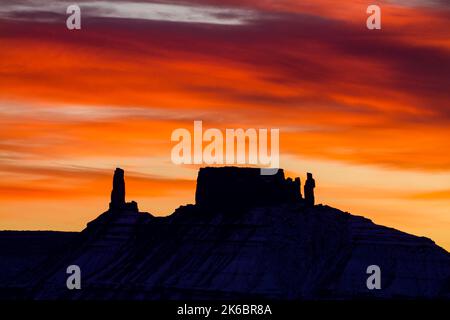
(366, 111)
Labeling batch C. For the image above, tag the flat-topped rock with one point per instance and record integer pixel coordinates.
(233, 187)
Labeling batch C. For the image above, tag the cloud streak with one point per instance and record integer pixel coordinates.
(134, 11)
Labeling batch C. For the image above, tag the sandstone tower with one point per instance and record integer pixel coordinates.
(118, 203)
(310, 184)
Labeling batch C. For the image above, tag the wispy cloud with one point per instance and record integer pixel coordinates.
(441, 4)
(136, 10)
(87, 113)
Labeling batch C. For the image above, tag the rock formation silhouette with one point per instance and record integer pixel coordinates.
(118, 203)
(118, 191)
(310, 184)
(226, 187)
(247, 236)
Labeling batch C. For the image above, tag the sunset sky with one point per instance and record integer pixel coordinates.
(367, 111)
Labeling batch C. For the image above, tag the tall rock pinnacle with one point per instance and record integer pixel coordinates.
(310, 184)
(118, 191)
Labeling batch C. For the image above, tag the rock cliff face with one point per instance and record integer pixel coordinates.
(247, 236)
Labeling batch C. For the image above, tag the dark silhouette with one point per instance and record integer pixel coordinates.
(247, 236)
(118, 191)
(310, 184)
(118, 203)
(244, 188)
